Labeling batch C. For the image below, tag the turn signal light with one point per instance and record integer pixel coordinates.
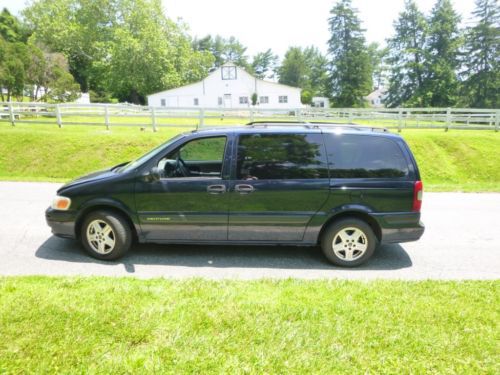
(61, 203)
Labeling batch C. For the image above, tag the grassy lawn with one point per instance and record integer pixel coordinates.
(458, 160)
(105, 325)
(465, 160)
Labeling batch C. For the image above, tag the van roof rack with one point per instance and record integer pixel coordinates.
(316, 125)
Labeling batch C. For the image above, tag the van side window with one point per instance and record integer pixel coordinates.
(281, 156)
(361, 156)
(197, 158)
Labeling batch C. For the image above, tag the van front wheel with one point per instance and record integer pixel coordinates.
(348, 242)
(106, 235)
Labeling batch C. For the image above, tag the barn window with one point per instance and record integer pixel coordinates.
(228, 72)
(163, 102)
(196, 101)
(283, 99)
(219, 100)
(243, 99)
(264, 100)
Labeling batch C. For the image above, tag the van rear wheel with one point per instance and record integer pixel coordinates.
(348, 242)
(106, 235)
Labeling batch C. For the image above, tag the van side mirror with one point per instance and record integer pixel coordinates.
(154, 174)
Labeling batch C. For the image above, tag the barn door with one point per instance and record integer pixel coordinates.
(227, 101)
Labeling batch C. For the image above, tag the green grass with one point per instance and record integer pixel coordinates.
(458, 160)
(108, 326)
(465, 160)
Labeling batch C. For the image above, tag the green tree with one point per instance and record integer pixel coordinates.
(377, 56)
(406, 58)
(318, 78)
(142, 59)
(125, 47)
(80, 29)
(264, 64)
(48, 72)
(36, 71)
(294, 70)
(11, 29)
(482, 58)
(223, 50)
(13, 64)
(234, 51)
(59, 85)
(305, 68)
(146, 61)
(255, 98)
(444, 41)
(350, 71)
(213, 45)
(306, 97)
(14, 56)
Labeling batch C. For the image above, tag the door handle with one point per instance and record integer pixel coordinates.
(216, 189)
(244, 188)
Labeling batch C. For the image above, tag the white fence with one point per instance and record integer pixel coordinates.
(109, 115)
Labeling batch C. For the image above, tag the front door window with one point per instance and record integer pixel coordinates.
(198, 158)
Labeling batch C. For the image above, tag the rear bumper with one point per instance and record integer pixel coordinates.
(62, 223)
(400, 227)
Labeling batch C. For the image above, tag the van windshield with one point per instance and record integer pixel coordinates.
(144, 158)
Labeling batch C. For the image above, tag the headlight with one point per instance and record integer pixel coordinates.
(61, 203)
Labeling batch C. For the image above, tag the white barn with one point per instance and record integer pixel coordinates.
(228, 87)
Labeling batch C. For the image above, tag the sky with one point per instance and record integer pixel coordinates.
(278, 24)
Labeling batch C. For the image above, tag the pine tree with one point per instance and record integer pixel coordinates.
(482, 58)
(11, 28)
(350, 70)
(377, 56)
(406, 58)
(318, 72)
(264, 64)
(443, 44)
(293, 70)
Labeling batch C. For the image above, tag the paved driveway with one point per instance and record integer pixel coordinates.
(462, 241)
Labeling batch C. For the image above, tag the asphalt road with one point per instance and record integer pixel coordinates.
(462, 241)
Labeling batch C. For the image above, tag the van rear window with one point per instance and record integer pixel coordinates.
(361, 156)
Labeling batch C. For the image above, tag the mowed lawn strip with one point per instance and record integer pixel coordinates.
(113, 325)
(458, 160)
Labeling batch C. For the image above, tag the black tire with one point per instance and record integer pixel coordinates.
(352, 246)
(120, 233)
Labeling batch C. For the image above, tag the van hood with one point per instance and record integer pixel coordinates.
(92, 177)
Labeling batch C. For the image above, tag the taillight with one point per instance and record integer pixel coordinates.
(418, 191)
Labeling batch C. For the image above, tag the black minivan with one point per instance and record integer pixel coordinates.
(345, 188)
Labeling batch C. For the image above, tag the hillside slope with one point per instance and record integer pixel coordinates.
(463, 160)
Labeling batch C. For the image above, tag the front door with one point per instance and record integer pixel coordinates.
(227, 101)
(189, 202)
(281, 181)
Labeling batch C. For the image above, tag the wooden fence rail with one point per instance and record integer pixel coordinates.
(109, 115)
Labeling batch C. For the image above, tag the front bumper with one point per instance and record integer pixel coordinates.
(62, 223)
(400, 227)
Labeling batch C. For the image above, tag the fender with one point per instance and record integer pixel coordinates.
(324, 217)
(107, 202)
